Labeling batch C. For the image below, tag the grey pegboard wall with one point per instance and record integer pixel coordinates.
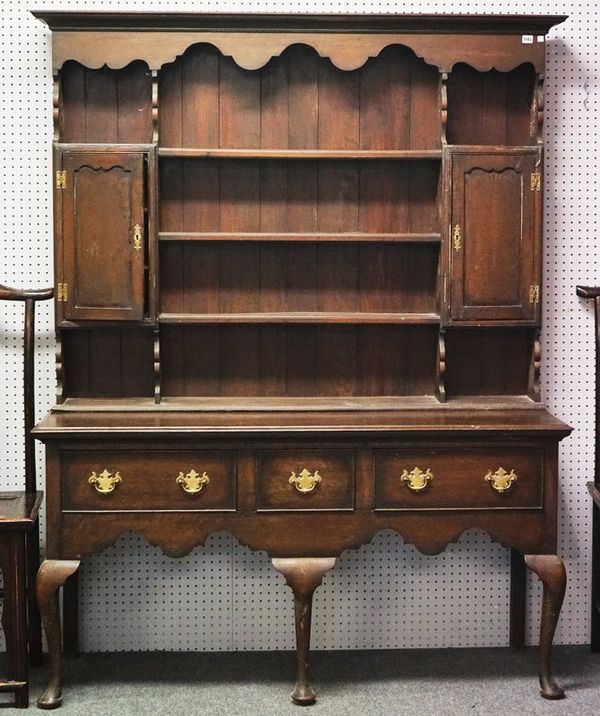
(223, 596)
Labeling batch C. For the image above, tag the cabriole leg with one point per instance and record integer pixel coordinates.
(551, 571)
(303, 575)
(52, 575)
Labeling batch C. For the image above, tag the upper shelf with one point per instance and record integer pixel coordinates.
(116, 39)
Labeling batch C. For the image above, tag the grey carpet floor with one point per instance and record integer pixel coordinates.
(440, 682)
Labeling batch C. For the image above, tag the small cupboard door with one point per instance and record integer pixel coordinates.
(495, 237)
(101, 197)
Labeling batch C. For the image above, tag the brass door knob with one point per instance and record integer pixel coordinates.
(501, 480)
(416, 479)
(192, 482)
(105, 482)
(305, 481)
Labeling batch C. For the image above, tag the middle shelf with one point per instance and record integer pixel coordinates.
(301, 317)
(200, 198)
(305, 282)
(408, 237)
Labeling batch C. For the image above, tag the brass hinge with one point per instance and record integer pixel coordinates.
(457, 238)
(536, 181)
(62, 293)
(61, 179)
(534, 293)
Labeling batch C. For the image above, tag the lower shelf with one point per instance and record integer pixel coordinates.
(302, 317)
(298, 404)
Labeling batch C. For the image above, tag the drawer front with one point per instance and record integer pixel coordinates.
(458, 478)
(304, 480)
(165, 480)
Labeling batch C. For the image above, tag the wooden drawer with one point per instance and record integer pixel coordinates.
(304, 480)
(456, 478)
(149, 480)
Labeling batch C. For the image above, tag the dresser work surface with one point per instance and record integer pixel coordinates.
(298, 268)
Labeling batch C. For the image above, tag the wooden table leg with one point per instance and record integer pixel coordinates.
(595, 577)
(303, 575)
(33, 613)
(551, 571)
(517, 600)
(70, 629)
(14, 613)
(52, 575)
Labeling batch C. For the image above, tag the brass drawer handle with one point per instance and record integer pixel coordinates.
(416, 479)
(105, 482)
(501, 480)
(192, 482)
(305, 482)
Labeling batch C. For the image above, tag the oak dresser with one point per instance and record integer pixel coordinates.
(298, 279)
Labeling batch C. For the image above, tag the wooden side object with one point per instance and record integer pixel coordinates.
(19, 529)
(298, 266)
(593, 292)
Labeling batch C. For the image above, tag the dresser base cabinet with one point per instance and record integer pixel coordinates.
(298, 268)
(304, 497)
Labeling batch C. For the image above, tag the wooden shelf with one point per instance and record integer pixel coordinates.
(300, 404)
(301, 317)
(502, 149)
(300, 153)
(305, 236)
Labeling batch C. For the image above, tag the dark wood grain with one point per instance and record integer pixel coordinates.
(551, 572)
(149, 480)
(14, 616)
(335, 491)
(249, 278)
(318, 361)
(487, 361)
(593, 292)
(303, 576)
(299, 101)
(300, 300)
(490, 107)
(102, 202)
(247, 196)
(420, 417)
(89, 353)
(595, 595)
(495, 268)
(458, 479)
(198, 115)
(59, 20)
(106, 105)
